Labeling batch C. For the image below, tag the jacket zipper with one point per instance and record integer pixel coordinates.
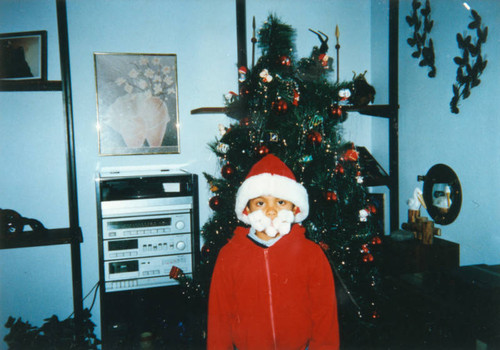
(271, 309)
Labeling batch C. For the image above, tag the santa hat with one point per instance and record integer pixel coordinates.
(271, 177)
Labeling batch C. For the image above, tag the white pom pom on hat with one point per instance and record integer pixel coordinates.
(270, 176)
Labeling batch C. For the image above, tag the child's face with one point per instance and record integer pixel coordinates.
(269, 205)
(270, 216)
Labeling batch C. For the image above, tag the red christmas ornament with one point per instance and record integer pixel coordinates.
(372, 208)
(367, 258)
(331, 196)
(351, 155)
(263, 150)
(296, 98)
(245, 121)
(336, 112)
(279, 107)
(285, 61)
(376, 240)
(214, 202)
(244, 90)
(227, 171)
(339, 169)
(314, 137)
(205, 252)
(365, 248)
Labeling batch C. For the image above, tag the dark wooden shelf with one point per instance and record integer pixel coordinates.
(412, 256)
(38, 239)
(376, 181)
(373, 173)
(383, 111)
(30, 85)
(208, 110)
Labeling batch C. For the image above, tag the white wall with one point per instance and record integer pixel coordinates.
(36, 282)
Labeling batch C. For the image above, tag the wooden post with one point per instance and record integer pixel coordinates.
(427, 232)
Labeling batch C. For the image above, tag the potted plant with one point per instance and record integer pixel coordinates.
(53, 334)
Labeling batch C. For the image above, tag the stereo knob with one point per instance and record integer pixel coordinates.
(181, 245)
(180, 225)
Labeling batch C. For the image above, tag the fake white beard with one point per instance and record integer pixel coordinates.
(281, 224)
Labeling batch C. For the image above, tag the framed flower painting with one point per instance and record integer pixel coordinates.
(137, 103)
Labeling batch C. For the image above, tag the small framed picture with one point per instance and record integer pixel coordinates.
(137, 103)
(23, 56)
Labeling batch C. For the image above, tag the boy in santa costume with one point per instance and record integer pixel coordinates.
(272, 288)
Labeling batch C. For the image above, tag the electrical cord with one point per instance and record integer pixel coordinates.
(96, 287)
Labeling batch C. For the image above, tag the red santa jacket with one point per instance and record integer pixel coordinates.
(281, 297)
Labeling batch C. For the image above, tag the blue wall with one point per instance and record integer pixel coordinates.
(468, 142)
(36, 282)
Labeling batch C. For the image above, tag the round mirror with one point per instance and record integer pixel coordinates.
(442, 194)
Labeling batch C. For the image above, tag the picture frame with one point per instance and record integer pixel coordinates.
(137, 103)
(23, 57)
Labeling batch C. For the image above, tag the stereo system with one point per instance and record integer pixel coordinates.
(146, 226)
(148, 222)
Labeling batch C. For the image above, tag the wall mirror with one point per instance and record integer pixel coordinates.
(442, 194)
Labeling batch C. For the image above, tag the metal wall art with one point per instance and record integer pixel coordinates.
(420, 20)
(471, 63)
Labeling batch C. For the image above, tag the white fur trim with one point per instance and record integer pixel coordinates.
(272, 185)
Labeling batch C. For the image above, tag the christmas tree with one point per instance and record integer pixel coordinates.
(293, 109)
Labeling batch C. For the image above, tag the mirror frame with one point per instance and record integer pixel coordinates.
(441, 173)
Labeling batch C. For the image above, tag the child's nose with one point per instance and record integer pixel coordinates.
(271, 212)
